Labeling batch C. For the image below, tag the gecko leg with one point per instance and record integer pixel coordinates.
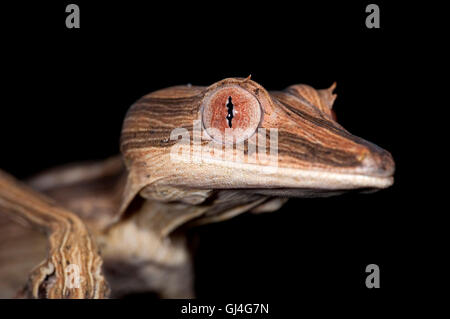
(73, 265)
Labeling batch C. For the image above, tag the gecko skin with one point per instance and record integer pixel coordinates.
(123, 221)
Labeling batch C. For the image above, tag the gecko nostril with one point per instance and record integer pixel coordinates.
(361, 156)
(230, 107)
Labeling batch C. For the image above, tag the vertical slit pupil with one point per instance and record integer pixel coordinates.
(230, 107)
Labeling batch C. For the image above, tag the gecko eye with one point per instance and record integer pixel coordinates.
(230, 114)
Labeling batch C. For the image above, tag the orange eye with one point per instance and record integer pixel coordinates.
(230, 114)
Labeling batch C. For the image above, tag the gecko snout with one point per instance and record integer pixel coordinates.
(376, 161)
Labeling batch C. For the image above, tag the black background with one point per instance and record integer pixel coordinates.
(65, 93)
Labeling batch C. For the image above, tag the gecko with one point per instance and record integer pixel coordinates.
(190, 155)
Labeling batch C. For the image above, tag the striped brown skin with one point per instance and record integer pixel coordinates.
(138, 206)
(308, 137)
(21, 249)
(346, 151)
(90, 189)
(69, 242)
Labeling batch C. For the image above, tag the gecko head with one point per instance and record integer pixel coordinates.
(183, 142)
